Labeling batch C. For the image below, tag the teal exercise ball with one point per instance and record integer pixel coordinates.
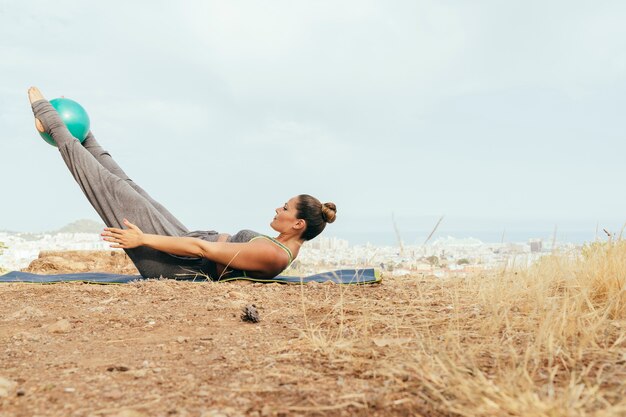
(73, 115)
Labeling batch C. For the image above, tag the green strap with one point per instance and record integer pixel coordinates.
(277, 243)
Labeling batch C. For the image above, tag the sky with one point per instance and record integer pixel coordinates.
(497, 115)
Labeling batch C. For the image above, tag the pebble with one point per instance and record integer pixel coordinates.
(138, 373)
(118, 368)
(26, 313)
(6, 386)
(221, 412)
(250, 314)
(213, 413)
(32, 337)
(236, 294)
(129, 412)
(61, 326)
(113, 395)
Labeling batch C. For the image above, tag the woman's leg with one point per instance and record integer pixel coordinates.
(114, 200)
(112, 197)
(105, 159)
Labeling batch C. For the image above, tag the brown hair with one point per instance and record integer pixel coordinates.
(315, 214)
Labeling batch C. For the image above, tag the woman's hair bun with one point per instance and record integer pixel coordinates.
(329, 212)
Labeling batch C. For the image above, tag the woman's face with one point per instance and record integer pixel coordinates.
(285, 218)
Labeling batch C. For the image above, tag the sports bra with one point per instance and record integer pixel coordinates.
(240, 237)
(238, 272)
(280, 245)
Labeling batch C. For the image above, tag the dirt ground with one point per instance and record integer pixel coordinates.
(168, 348)
(547, 341)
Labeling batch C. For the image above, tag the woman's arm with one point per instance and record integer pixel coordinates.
(258, 255)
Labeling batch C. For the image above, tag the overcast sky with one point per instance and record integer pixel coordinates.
(493, 113)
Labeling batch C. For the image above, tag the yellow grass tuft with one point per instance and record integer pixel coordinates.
(549, 340)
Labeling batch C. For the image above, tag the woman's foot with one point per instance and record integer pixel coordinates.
(35, 95)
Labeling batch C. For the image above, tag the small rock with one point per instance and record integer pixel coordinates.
(236, 294)
(266, 411)
(69, 389)
(32, 337)
(182, 339)
(113, 395)
(129, 412)
(250, 314)
(6, 386)
(61, 326)
(138, 373)
(118, 368)
(213, 413)
(221, 412)
(20, 392)
(26, 313)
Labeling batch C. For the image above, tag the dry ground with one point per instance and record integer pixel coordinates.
(515, 343)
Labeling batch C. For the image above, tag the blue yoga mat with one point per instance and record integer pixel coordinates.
(341, 276)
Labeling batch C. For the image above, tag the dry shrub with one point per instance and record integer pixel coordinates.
(549, 340)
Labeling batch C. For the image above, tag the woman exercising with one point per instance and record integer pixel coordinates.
(157, 243)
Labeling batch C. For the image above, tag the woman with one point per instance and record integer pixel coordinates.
(157, 243)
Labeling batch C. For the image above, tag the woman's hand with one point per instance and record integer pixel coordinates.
(124, 238)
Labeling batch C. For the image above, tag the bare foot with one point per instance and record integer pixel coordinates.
(35, 95)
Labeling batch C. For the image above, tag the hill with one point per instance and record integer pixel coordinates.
(81, 226)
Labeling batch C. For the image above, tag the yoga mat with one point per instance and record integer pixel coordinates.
(341, 276)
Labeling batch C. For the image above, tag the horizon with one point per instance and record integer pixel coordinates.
(572, 232)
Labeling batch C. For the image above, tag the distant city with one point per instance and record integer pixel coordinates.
(417, 237)
(440, 256)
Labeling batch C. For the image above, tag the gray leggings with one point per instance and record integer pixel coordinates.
(116, 197)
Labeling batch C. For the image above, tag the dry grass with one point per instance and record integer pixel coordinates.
(546, 341)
